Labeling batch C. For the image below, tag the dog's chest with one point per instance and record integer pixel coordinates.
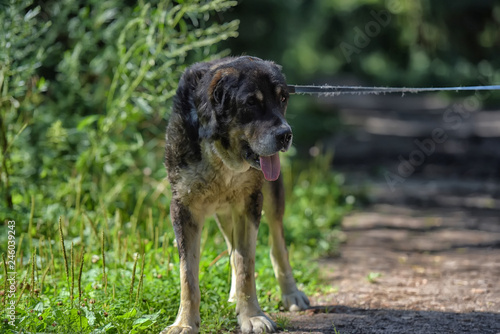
(210, 189)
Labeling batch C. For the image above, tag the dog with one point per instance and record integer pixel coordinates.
(223, 140)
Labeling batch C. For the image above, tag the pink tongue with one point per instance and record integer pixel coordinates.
(270, 167)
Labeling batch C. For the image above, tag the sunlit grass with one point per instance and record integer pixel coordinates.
(98, 273)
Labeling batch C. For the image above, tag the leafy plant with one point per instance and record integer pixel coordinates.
(316, 206)
(282, 321)
(372, 277)
(20, 90)
(85, 93)
(85, 97)
(393, 42)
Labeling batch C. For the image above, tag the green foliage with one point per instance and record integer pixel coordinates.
(106, 303)
(372, 277)
(282, 321)
(85, 91)
(420, 42)
(409, 43)
(318, 204)
(19, 59)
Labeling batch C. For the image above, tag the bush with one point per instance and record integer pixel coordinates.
(408, 43)
(85, 94)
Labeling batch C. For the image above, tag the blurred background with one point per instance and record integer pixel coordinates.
(390, 43)
(87, 85)
(86, 88)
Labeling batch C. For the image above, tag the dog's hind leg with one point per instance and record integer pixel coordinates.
(225, 223)
(274, 207)
(188, 234)
(246, 224)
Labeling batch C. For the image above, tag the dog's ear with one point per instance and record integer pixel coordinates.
(219, 88)
(218, 93)
(213, 115)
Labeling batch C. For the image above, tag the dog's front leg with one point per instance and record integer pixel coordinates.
(293, 299)
(250, 316)
(188, 234)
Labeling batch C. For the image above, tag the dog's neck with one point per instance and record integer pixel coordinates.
(223, 158)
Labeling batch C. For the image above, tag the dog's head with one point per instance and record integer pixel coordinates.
(244, 104)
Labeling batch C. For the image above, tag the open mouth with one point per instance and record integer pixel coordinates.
(269, 165)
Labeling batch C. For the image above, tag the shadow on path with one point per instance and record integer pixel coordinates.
(424, 256)
(328, 319)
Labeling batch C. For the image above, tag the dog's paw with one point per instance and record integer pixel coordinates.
(179, 330)
(257, 324)
(296, 301)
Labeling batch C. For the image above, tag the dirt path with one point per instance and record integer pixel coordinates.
(424, 257)
(410, 269)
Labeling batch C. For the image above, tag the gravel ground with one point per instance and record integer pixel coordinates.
(411, 270)
(424, 256)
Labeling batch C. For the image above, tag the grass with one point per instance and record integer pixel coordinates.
(335, 331)
(373, 277)
(96, 273)
(282, 321)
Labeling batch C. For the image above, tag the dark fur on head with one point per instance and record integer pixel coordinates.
(230, 102)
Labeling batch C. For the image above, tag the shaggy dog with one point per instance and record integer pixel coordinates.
(225, 133)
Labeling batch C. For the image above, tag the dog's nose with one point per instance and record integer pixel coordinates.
(284, 138)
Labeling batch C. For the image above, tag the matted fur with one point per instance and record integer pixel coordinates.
(223, 138)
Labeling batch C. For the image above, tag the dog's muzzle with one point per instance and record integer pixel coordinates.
(267, 159)
(284, 139)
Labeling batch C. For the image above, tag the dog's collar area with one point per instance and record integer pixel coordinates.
(251, 157)
(269, 165)
(360, 90)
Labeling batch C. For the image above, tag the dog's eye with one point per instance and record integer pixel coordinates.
(251, 101)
